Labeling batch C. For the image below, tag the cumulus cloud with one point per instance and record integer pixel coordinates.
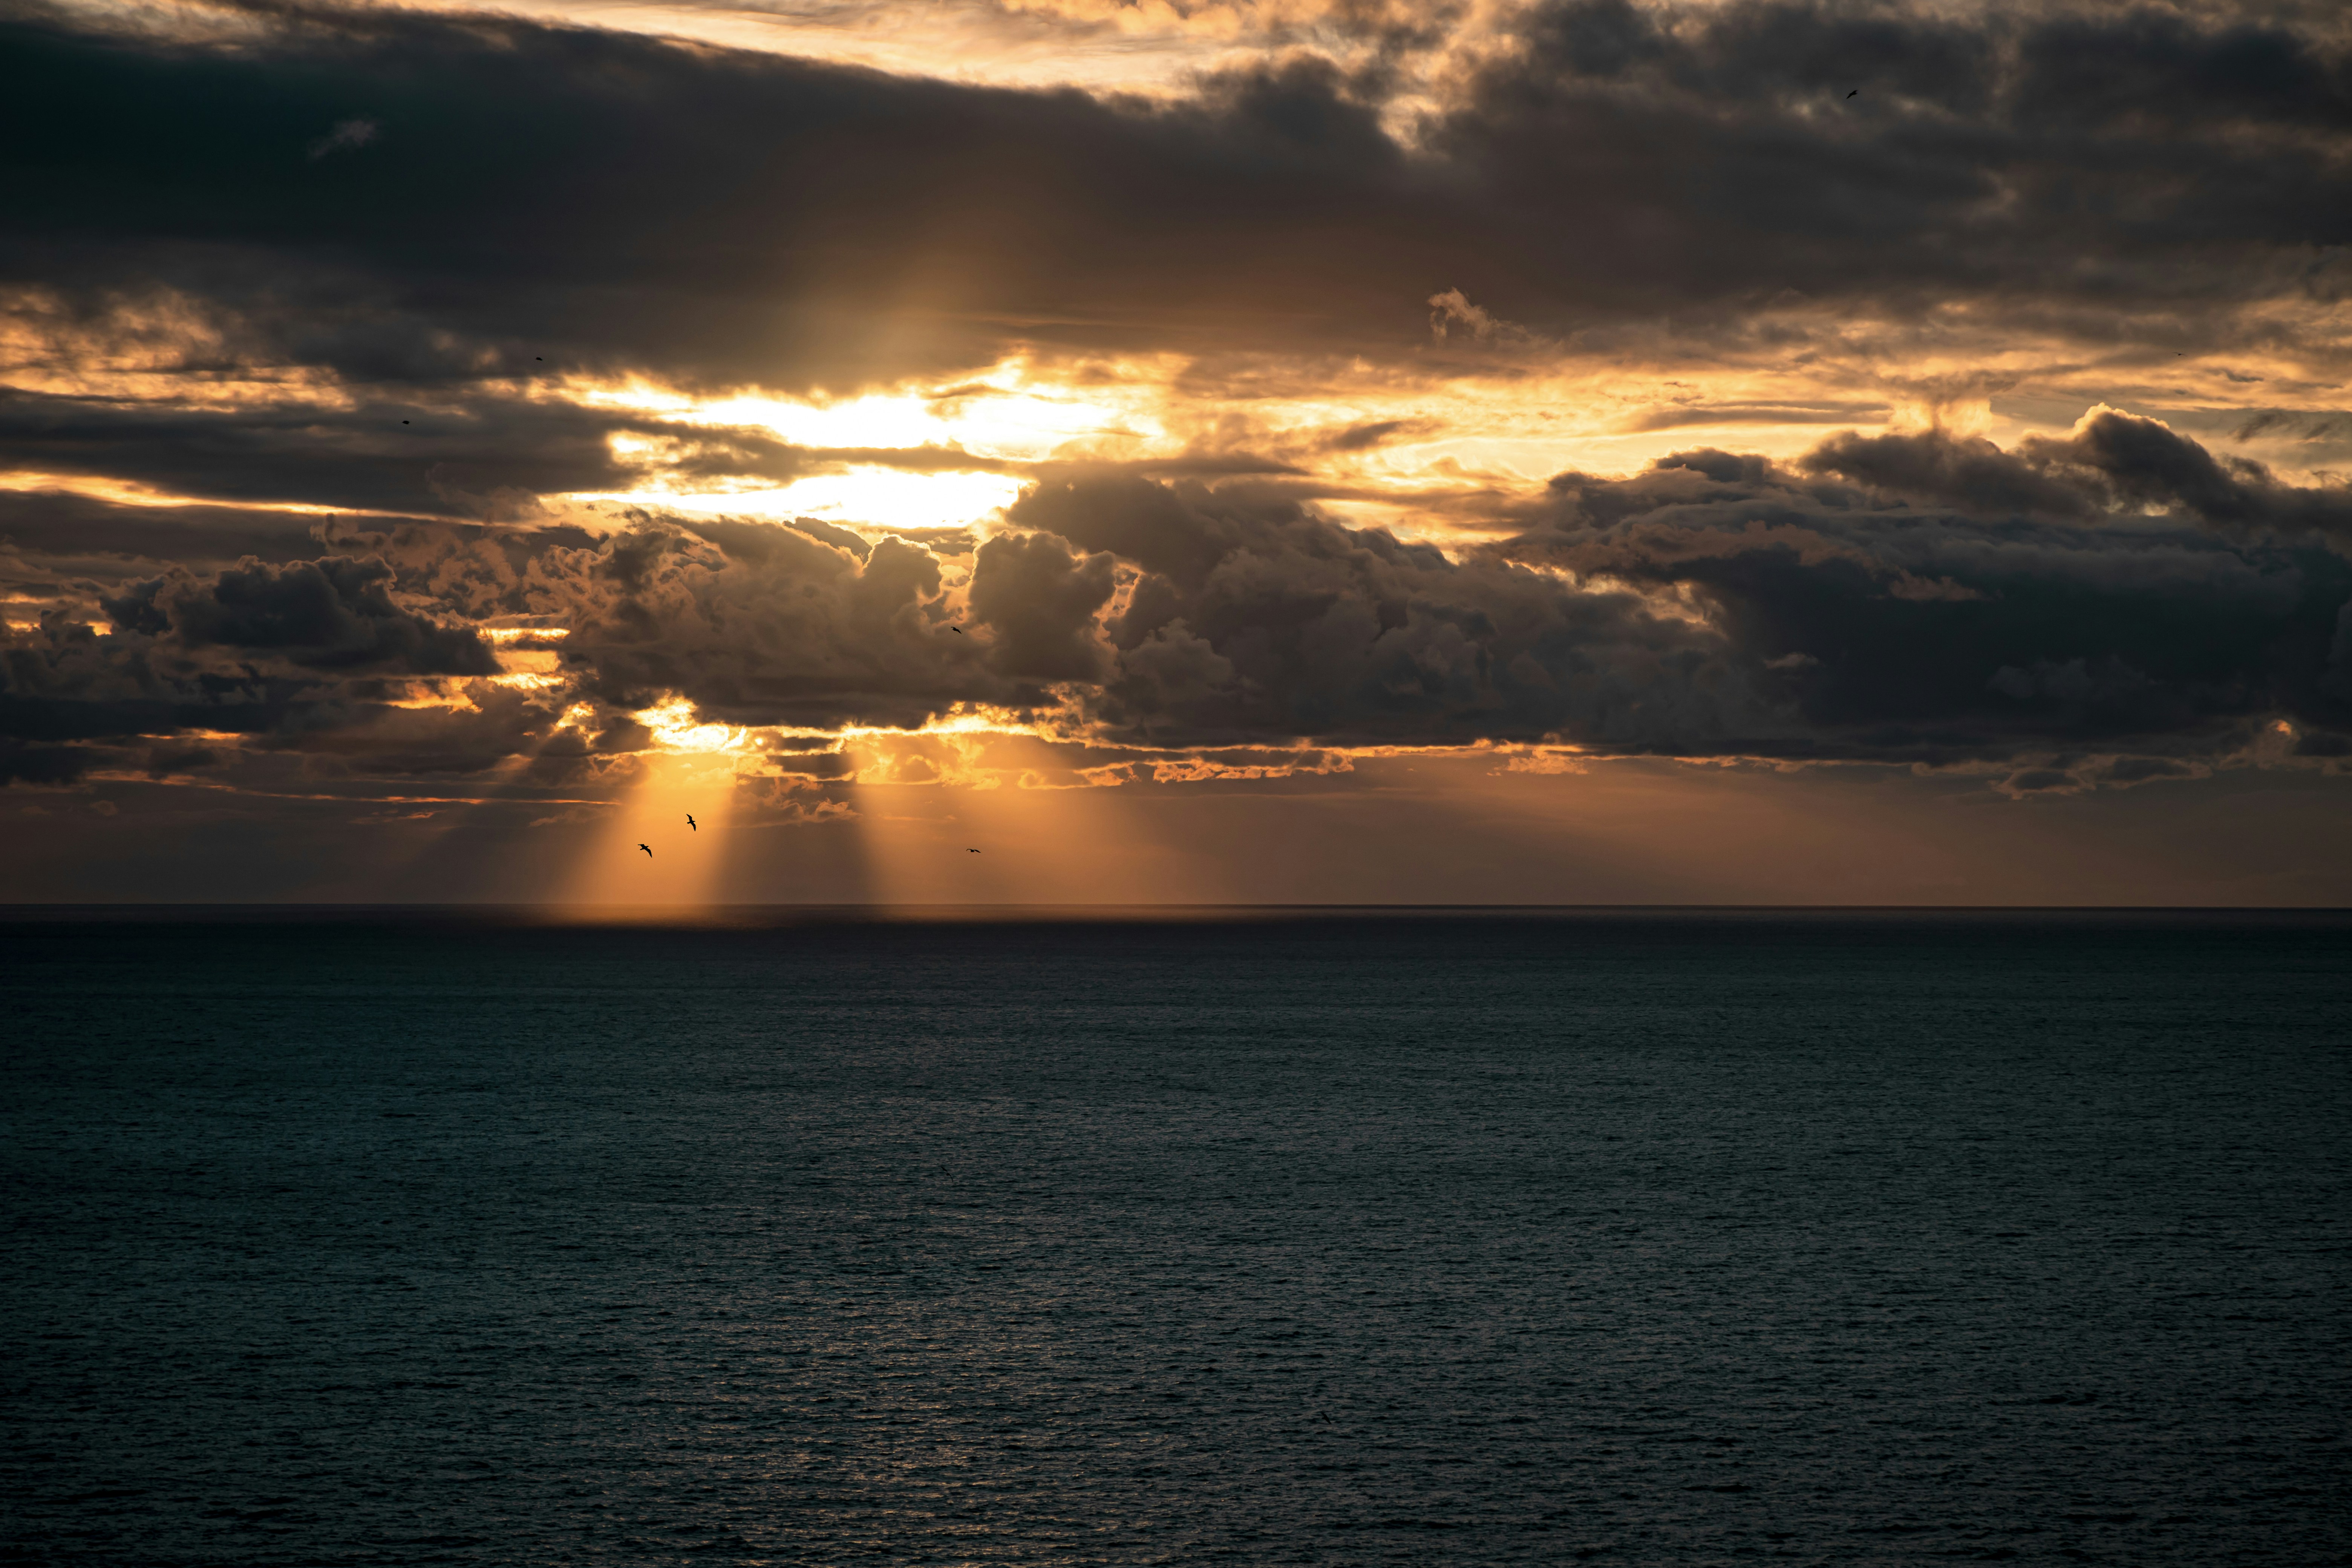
(1928, 592)
(2111, 461)
(1258, 617)
(1919, 598)
(1040, 600)
(753, 623)
(2141, 462)
(331, 614)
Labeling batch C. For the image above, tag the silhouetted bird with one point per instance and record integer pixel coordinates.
(958, 630)
(1852, 94)
(689, 821)
(648, 849)
(403, 421)
(971, 852)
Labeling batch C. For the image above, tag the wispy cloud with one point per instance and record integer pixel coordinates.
(347, 133)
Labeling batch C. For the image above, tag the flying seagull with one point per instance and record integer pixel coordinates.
(648, 849)
(1852, 94)
(971, 852)
(689, 821)
(958, 630)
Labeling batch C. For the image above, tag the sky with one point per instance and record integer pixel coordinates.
(1525, 451)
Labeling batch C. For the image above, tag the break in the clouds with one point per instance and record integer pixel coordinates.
(398, 393)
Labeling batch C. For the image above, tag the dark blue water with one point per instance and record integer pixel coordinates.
(1631, 1239)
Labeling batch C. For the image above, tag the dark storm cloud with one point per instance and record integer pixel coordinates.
(604, 203)
(2110, 461)
(1041, 600)
(422, 458)
(85, 534)
(491, 458)
(2143, 463)
(64, 683)
(330, 614)
(2100, 160)
(758, 623)
(1255, 617)
(1925, 592)
(21, 764)
(1971, 474)
(401, 743)
(73, 702)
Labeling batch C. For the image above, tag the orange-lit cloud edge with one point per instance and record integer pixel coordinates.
(1475, 427)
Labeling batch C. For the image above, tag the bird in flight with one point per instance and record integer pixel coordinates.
(689, 821)
(648, 849)
(971, 852)
(958, 630)
(1852, 94)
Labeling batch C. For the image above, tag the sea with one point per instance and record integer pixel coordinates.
(406, 1236)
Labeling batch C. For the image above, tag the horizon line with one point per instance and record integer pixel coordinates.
(556, 912)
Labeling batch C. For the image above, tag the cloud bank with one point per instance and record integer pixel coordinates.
(318, 322)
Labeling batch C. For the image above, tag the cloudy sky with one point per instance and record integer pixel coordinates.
(1196, 450)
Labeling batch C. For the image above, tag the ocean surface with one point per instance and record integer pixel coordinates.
(1438, 1237)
